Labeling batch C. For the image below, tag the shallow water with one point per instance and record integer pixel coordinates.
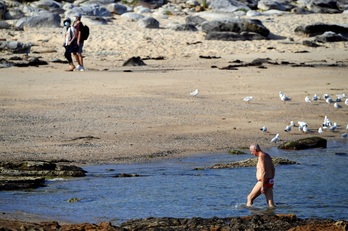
(172, 188)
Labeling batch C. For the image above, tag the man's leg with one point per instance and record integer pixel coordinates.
(255, 192)
(269, 197)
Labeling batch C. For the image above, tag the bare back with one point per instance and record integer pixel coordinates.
(264, 167)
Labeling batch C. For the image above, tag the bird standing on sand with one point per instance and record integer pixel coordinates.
(337, 106)
(194, 93)
(248, 98)
(307, 100)
(287, 128)
(275, 139)
(283, 97)
(320, 130)
(315, 97)
(263, 129)
(333, 127)
(344, 135)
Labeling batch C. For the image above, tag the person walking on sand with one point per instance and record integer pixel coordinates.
(265, 173)
(69, 43)
(78, 54)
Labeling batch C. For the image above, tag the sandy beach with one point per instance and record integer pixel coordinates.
(112, 113)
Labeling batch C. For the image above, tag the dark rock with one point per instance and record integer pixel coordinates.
(320, 28)
(237, 26)
(15, 183)
(251, 163)
(309, 43)
(126, 175)
(134, 61)
(185, 27)
(232, 36)
(305, 143)
(149, 22)
(324, 6)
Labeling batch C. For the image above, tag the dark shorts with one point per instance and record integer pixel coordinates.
(79, 50)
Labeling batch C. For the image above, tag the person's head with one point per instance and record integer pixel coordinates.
(77, 16)
(254, 149)
(67, 22)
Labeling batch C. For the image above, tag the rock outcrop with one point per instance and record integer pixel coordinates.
(32, 174)
(254, 222)
(251, 163)
(305, 143)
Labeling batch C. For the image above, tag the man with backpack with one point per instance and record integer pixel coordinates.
(79, 38)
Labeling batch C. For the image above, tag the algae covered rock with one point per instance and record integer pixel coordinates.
(305, 143)
(251, 163)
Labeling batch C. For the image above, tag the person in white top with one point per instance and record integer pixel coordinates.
(70, 43)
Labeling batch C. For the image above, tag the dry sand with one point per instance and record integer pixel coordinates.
(106, 115)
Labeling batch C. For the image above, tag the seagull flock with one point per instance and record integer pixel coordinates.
(327, 125)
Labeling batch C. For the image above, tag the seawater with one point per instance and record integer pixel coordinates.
(317, 188)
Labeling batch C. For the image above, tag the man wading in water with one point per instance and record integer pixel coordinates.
(264, 174)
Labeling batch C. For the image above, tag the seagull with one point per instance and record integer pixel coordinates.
(248, 98)
(336, 105)
(275, 139)
(307, 100)
(341, 96)
(329, 100)
(283, 97)
(315, 97)
(263, 129)
(302, 123)
(333, 127)
(194, 93)
(346, 102)
(287, 128)
(305, 129)
(347, 127)
(320, 130)
(326, 123)
(326, 96)
(292, 124)
(344, 135)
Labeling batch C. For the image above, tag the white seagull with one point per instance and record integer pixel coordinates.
(333, 127)
(344, 135)
(263, 129)
(346, 102)
(194, 93)
(283, 97)
(287, 128)
(315, 97)
(292, 124)
(329, 100)
(347, 127)
(248, 98)
(336, 105)
(307, 99)
(275, 139)
(320, 130)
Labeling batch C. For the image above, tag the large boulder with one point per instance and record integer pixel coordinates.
(236, 25)
(227, 6)
(149, 22)
(232, 36)
(324, 6)
(305, 143)
(15, 47)
(44, 20)
(282, 5)
(330, 37)
(49, 5)
(320, 28)
(15, 183)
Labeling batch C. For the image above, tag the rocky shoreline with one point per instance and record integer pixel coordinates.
(254, 222)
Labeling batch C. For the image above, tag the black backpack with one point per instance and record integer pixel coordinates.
(84, 32)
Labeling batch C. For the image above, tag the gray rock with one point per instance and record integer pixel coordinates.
(324, 6)
(3, 9)
(44, 20)
(184, 27)
(16, 183)
(15, 47)
(226, 6)
(49, 5)
(92, 10)
(282, 5)
(320, 28)
(149, 22)
(330, 36)
(305, 143)
(237, 26)
(14, 13)
(194, 20)
(4, 25)
(134, 61)
(116, 8)
(129, 16)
